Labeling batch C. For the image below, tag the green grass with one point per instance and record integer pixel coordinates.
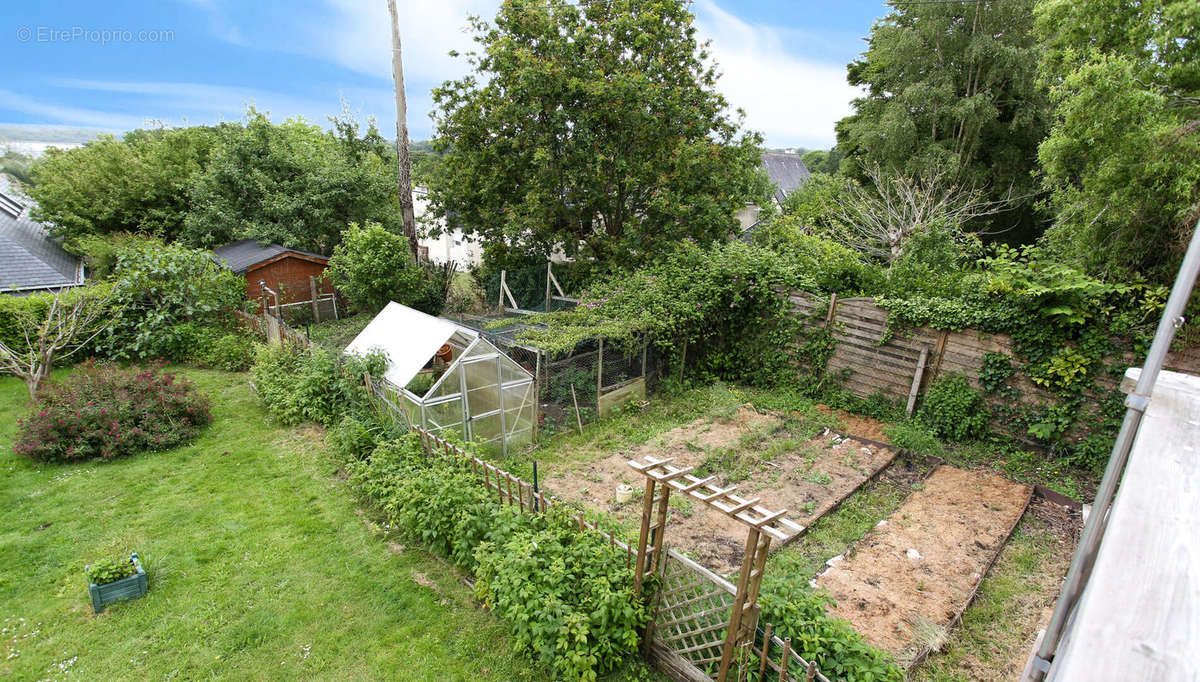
(833, 533)
(997, 630)
(260, 566)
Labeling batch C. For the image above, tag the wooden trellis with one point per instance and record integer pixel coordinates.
(762, 525)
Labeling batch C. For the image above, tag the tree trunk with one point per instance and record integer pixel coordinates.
(404, 180)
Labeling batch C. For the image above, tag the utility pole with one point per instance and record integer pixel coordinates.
(404, 180)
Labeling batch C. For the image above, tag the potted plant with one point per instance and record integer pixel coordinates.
(114, 580)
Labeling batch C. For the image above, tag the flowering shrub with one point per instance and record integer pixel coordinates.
(103, 411)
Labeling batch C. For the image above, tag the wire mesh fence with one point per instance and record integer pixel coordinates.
(537, 289)
(575, 387)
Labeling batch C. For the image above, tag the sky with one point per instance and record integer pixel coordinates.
(121, 65)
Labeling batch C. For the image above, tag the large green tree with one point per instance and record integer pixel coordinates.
(137, 184)
(952, 87)
(293, 183)
(1122, 161)
(595, 128)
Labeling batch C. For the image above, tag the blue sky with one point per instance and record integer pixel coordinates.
(120, 65)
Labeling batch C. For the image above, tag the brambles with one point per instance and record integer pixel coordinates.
(567, 595)
(313, 384)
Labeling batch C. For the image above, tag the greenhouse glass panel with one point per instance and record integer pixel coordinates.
(471, 382)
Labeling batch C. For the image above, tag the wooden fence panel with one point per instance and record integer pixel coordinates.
(871, 367)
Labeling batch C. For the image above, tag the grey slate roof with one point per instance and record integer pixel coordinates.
(29, 258)
(786, 170)
(241, 255)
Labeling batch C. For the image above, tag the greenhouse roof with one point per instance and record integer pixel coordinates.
(408, 338)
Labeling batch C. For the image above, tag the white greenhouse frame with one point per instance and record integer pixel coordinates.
(483, 395)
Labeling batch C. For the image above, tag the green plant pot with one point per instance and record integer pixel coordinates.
(126, 588)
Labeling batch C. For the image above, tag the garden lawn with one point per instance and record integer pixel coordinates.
(260, 565)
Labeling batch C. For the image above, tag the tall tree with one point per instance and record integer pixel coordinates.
(137, 184)
(1122, 161)
(293, 183)
(593, 128)
(403, 162)
(952, 87)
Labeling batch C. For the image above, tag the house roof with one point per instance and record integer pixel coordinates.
(242, 256)
(408, 338)
(786, 170)
(29, 258)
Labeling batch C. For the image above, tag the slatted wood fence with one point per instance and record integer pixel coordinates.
(904, 367)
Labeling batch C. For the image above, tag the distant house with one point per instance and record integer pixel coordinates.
(789, 174)
(30, 260)
(285, 271)
(451, 245)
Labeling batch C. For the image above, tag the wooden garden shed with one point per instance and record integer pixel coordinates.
(286, 273)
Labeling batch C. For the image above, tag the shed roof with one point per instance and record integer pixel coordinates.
(786, 170)
(29, 258)
(241, 256)
(408, 338)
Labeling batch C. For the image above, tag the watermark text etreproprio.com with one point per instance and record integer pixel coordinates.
(101, 36)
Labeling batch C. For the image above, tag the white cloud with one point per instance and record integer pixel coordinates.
(358, 36)
(53, 113)
(202, 103)
(792, 101)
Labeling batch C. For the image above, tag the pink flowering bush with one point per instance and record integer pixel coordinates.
(104, 411)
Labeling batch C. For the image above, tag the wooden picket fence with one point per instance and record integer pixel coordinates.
(509, 489)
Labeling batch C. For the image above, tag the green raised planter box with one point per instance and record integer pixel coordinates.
(126, 588)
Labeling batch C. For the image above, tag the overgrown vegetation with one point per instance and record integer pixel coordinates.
(159, 292)
(293, 183)
(103, 411)
(313, 384)
(800, 613)
(567, 596)
(372, 266)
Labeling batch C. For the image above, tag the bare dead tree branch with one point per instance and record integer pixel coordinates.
(67, 327)
(883, 214)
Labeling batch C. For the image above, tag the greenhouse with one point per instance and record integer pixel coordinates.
(447, 378)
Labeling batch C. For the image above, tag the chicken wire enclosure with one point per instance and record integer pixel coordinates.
(449, 379)
(594, 376)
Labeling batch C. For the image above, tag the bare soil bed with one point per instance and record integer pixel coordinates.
(808, 479)
(905, 582)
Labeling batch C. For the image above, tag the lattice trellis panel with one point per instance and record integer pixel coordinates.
(693, 614)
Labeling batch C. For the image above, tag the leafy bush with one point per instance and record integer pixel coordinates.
(104, 411)
(833, 267)
(567, 595)
(110, 570)
(313, 384)
(157, 288)
(373, 266)
(954, 410)
(721, 300)
(354, 438)
(231, 352)
(839, 652)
